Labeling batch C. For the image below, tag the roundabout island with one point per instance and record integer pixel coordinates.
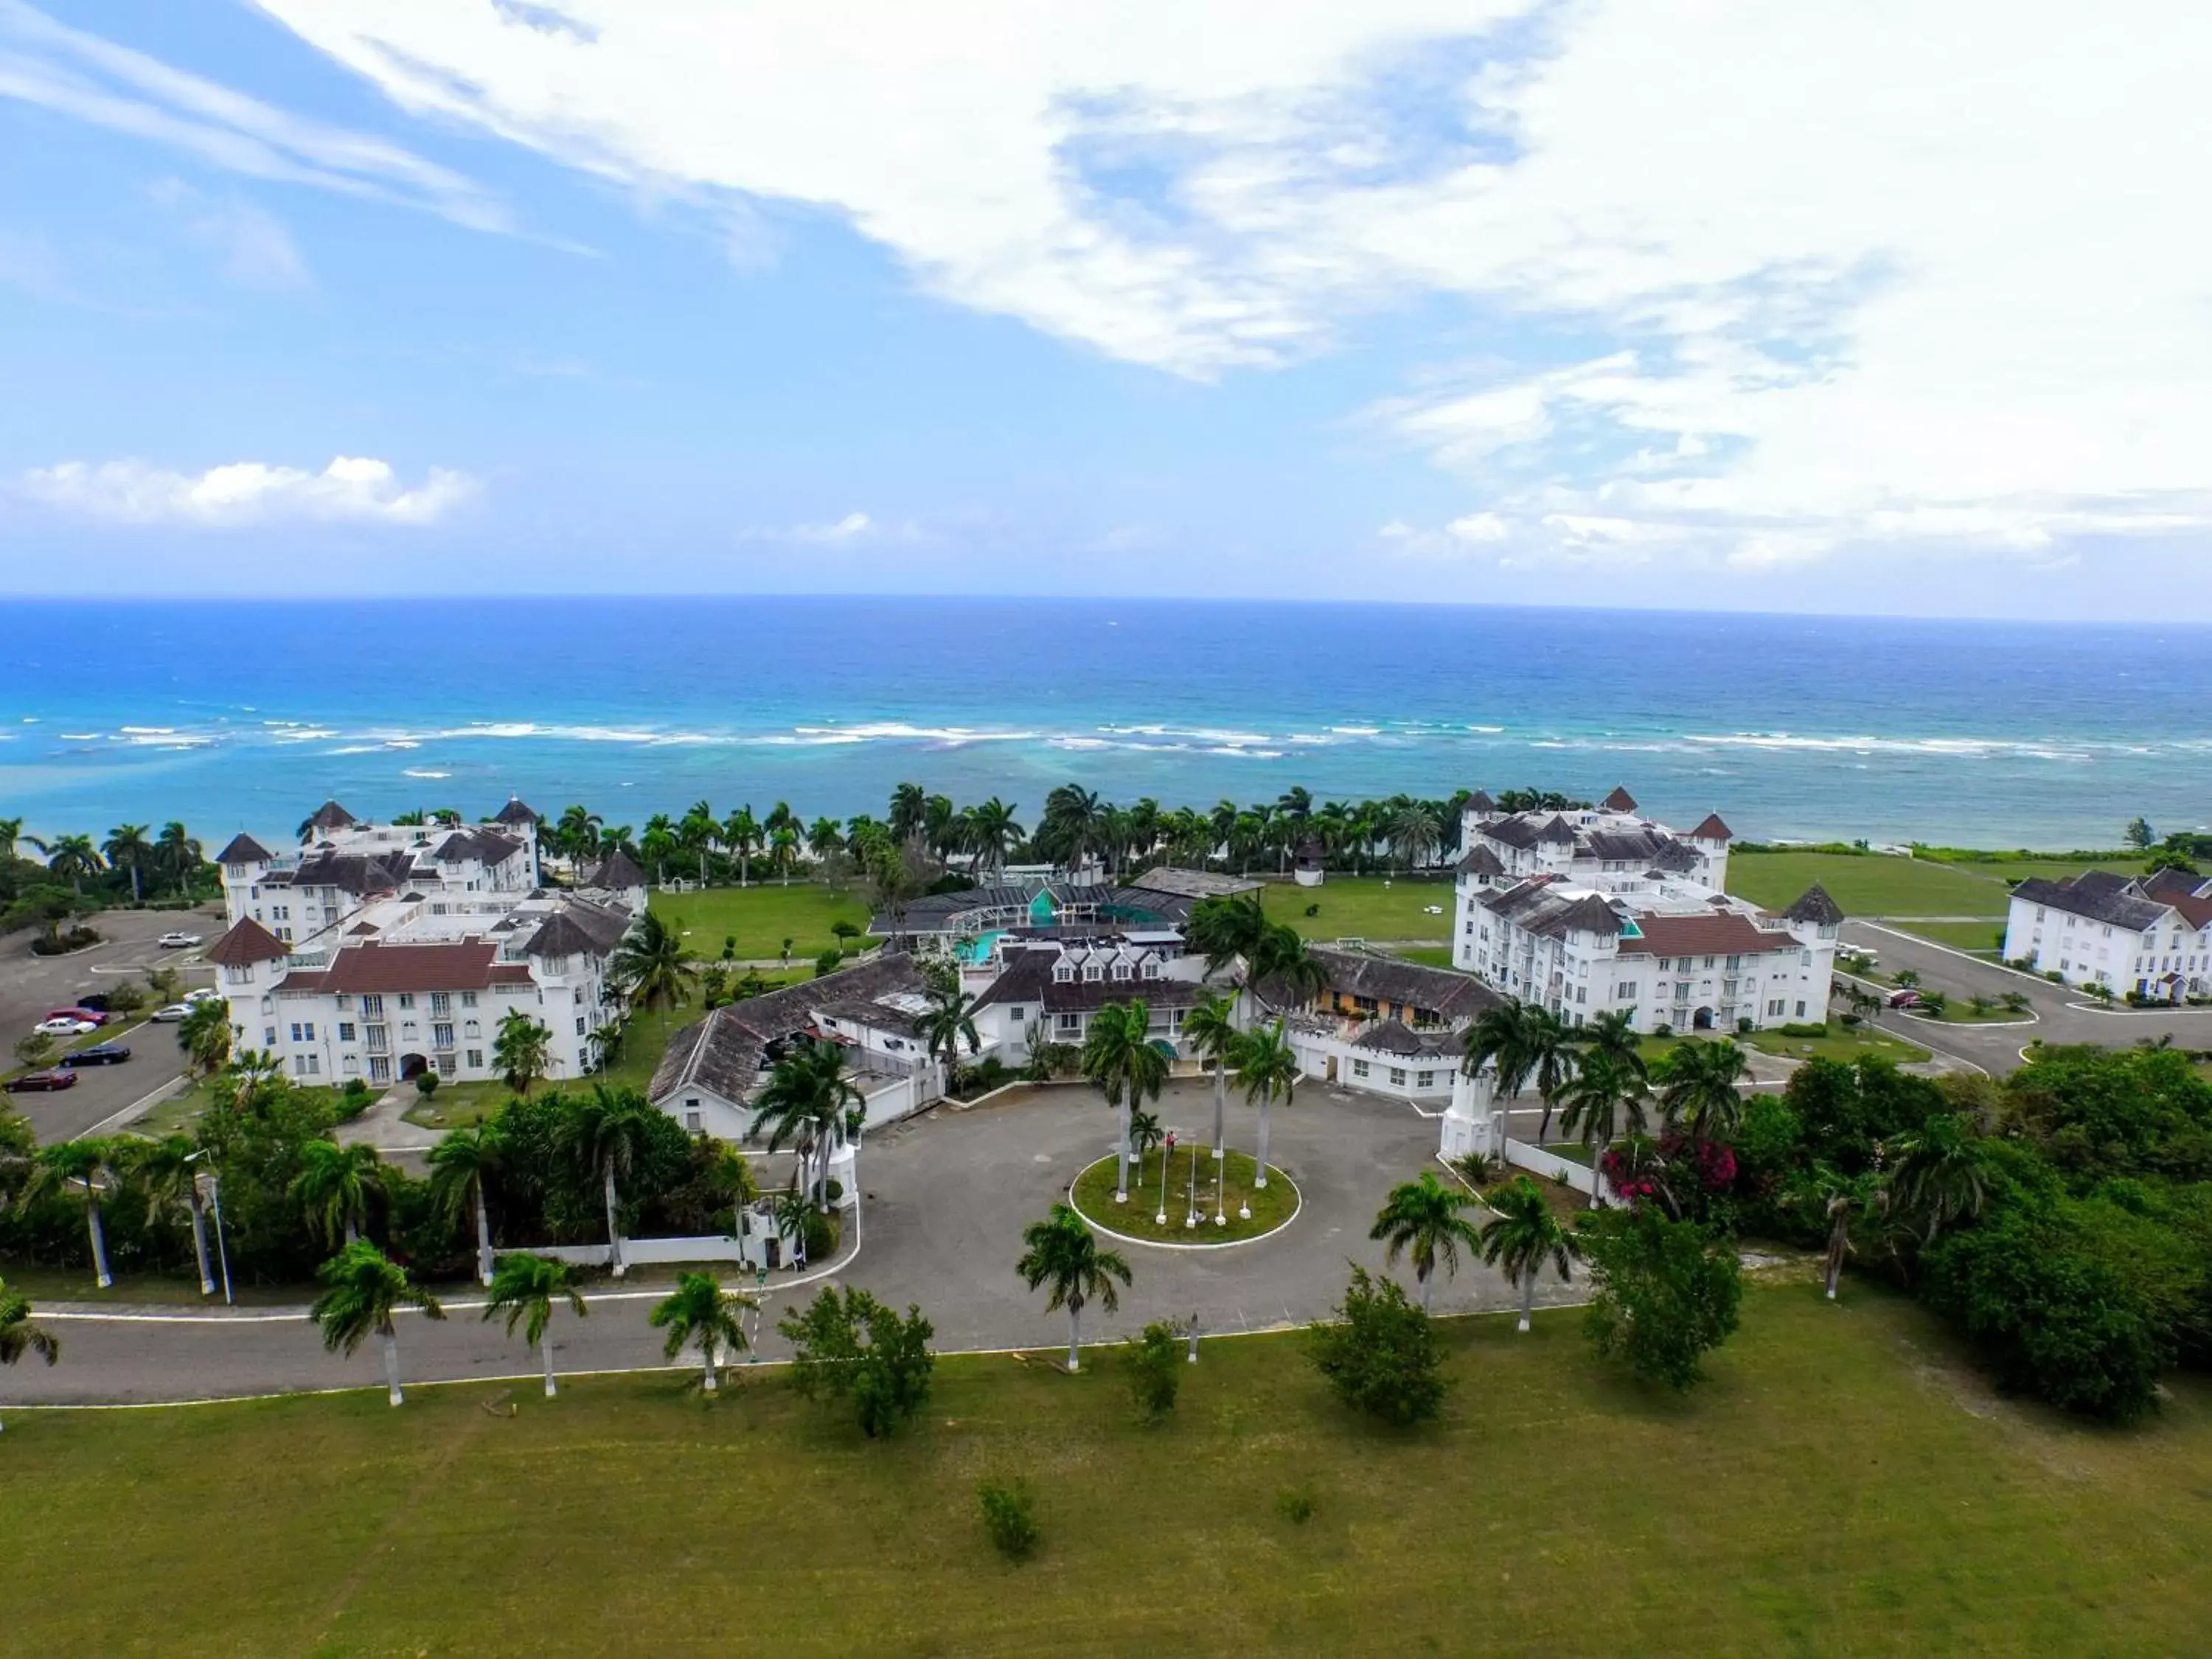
(1198, 1189)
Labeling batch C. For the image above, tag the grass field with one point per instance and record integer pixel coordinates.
(1868, 885)
(1843, 1042)
(761, 918)
(2007, 871)
(1271, 1207)
(1842, 1484)
(1432, 955)
(1363, 907)
(1979, 936)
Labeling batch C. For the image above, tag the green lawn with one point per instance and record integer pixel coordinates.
(1270, 1208)
(456, 1105)
(1841, 1484)
(2007, 871)
(1363, 907)
(1868, 885)
(761, 917)
(1842, 1043)
(1432, 955)
(1979, 936)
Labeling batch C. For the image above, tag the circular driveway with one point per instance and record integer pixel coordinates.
(947, 1197)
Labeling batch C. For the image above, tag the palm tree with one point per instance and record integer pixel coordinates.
(520, 1049)
(1604, 1096)
(11, 832)
(20, 1333)
(460, 1165)
(1939, 1174)
(1698, 1088)
(524, 1289)
(1062, 1252)
(1429, 1219)
(951, 1019)
(73, 857)
(177, 857)
(823, 840)
(362, 1289)
(1614, 1035)
(1266, 1066)
(699, 1315)
(336, 1186)
(658, 844)
(650, 964)
(87, 1163)
(993, 831)
(908, 812)
(1145, 1133)
(1524, 1235)
(166, 1173)
(1843, 1200)
(1210, 1030)
(741, 833)
(1223, 929)
(1414, 833)
(127, 848)
(204, 1034)
(697, 832)
(608, 1132)
(579, 833)
(1120, 1060)
(809, 1102)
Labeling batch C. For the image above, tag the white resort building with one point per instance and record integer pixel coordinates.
(1600, 911)
(2149, 936)
(381, 952)
(1383, 1024)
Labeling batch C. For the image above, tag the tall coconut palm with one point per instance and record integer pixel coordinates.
(1062, 1253)
(88, 1166)
(1146, 1132)
(1282, 971)
(741, 833)
(1224, 930)
(1939, 1174)
(907, 815)
(1414, 833)
(364, 1290)
(20, 1333)
(994, 832)
(127, 848)
(1698, 1089)
(824, 840)
(607, 1132)
(1210, 1030)
(166, 1173)
(524, 1289)
(659, 844)
(177, 857)
(462, 1164)
(335, 1187)
(1613, 1034)
(1428, 1220)
(1553, 1057)
(521, 1048)
(701, 1315)
(204, 1035)
(1603, 1099)
(649, 964)
(948, 1022)
(1120, 1061)
(1844, 1198)
(72, 858)
(11, 832)
(697, 832)
(809, 1103)
(1266, 1069)
(1524, 1235)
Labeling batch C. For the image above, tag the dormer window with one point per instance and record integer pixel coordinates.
(1092, 975)
(1063, 972)
(1152, 968)
(1120, 971)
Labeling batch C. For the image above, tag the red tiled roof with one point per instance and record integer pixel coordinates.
(1727, 932)
(1713, 829)
(1619, 801)
(244, 942)
(374, 967)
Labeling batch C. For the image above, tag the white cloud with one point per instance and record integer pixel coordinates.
(93, 80)
(350, 489)
(1882, 272)
(850, 528)
(250, 246)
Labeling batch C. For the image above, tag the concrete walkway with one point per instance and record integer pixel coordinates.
(383, 1127)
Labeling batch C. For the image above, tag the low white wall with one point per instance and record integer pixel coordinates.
(639, 1251)
(1580, 1176)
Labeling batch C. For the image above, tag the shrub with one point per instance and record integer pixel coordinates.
(820, 1234)
(1745, 1025)
(827, 963)
(1809, 1027)
(1295, 1504)
(1381, 1357)
(1478, 1170)
(425, 1083)
(1009, 1518)
(1313, 909)
(1156, 1367)
(60, 944)
(729, 947)
(1667, 1292)
(850, 1348)
(1848, 1021)
(1663, 1029)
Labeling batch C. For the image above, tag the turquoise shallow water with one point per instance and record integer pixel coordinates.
(234, 716)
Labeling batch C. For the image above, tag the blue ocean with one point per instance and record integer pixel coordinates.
(233, 715)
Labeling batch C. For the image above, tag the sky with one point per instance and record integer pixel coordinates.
(1708, 304)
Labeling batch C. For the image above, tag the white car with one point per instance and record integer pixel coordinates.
(205, 993)
(60, 1027)
(178, 941)
(170, 1015)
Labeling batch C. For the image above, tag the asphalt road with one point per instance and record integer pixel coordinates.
(31, 986)
(2060, 1014)
(947, 1198)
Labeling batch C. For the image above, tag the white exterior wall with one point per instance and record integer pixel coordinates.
(1330, 1058)
(2085, 951)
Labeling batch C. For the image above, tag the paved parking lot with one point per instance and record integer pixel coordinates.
(31, 986)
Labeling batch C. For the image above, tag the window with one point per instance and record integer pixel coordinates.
(306, 1064)
(468, 999)
(1800, 1009)
(269, 1037)
(1398, 1076)
(693, 1123)
(472, 1028)
(579, 1025)
(1092, 974)
(352, 1067)
(1360, 1068)
(441, 1005)
(1063, 972)
(1067, 1024)
(1152, 968)
(345, 1030)
(1425, 1079)
(372, 1007)
(407, 998)
(442, 1036)
(1120, 971)
(476, 1060)
(1624, 992)
(379, 1070)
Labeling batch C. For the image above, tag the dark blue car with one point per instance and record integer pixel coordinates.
(100, 1053)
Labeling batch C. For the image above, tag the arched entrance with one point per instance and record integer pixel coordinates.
(1703, 1020)
(412, 1066)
